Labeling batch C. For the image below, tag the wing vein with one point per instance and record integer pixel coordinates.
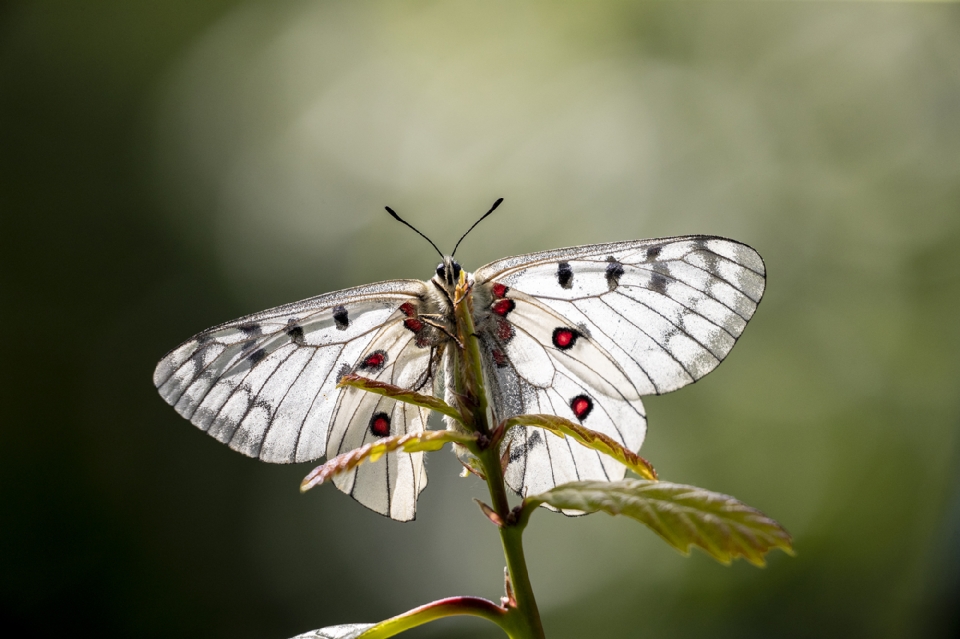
(273, 414)
(679, 328)
(662, 347)
(253, 400)
(313, 402)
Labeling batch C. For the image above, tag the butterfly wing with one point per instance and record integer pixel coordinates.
(579, 380)
(391, 486)
(265, 384)
(583, 332)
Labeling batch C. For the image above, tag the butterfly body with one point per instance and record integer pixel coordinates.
(581, 332)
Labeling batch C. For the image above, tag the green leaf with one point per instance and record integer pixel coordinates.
(683, 515)
(410, 443)
(346, 631)
(401, 394)
(589, 438)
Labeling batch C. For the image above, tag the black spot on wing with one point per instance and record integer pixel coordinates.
(658, 283)
(584, 330)
(519, 452)
(711, 260)
(653, 252)
(343, 370)
(564, 275)
(341, 317)
(613, 273)
(295, 332)
(247, 347)
(251, 330)
(256, 356)
(534, 440)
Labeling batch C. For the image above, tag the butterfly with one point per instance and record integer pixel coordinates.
(581, 332)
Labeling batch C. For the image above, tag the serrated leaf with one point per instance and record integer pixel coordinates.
(400, 394)
(683, 516)
(345, 631)
(589, 438)
(427, 440)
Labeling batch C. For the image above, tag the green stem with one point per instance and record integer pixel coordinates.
(524, 605)
(511, 538)
(473, 606)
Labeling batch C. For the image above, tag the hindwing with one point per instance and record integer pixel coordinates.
(390, 486)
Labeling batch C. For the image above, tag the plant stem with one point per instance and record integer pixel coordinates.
(523, 617)
(452, 606)
(524, 604)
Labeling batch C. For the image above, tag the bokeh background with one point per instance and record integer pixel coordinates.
(169, 166)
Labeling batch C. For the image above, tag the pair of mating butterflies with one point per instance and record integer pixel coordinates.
(579, 332)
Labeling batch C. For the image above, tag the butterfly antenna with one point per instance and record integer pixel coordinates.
(400, 219)
(492, 209)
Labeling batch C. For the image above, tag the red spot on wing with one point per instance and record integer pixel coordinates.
(500, 290)
(504, 330)
(374, 361)
(380, 424)
(413, 323)
(502, 307)
(564, 338)
(581, 405)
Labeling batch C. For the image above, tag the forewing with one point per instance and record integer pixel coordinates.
(667, 310)
(265, 384)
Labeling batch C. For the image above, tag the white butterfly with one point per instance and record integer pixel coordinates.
(578, 332)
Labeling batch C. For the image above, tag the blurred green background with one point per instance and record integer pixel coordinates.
(169, 166)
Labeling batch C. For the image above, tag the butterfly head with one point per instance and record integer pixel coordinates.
(449, 272)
